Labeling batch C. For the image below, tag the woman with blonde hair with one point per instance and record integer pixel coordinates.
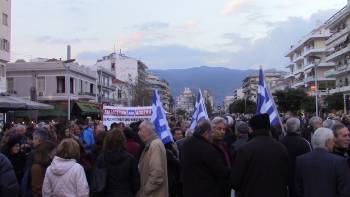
(65, 177)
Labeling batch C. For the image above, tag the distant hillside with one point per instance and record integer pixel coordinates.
(218, 80)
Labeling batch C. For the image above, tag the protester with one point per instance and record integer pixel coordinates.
(296, 146)
(42, 158)
(131, 146)
(314, 123)
(261, 166)
(12, 150)
(99, 129)
(328, 123)
(8, 182)
(241, 132)
(86, 135)
(320, 173)
(65, 177)
(341, 140)
(173, 168)
(152, 164)
(202, 168)
(177, 133)
(123, 178)
(97, 147)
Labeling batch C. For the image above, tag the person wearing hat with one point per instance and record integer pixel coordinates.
(261, 166)
(241, 132)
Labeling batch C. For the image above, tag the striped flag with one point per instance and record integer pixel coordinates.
(200, 112)
(265, 103)
(159, 119)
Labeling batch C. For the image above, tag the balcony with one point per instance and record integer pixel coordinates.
(319, 79)
(329, 73)
(338, 53)
(290, 64)
(291, 75)
(342, 69)
(87, 95)
(340, 90)
(314, 51)
(334, 37)
(298, 84)
(299, 59)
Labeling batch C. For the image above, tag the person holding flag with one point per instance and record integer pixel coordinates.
(260, 167)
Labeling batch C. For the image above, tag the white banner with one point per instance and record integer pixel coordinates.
(126, 115)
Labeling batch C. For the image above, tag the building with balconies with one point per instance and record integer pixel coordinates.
(208, 98)
(238, 94)
(154, 82)
(228, 100)
(5, 40)
(186, 100)
(307, 59)
(52, 81)
(338, 46)
(105, 87)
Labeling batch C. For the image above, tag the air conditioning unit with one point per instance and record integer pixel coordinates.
(41, 93)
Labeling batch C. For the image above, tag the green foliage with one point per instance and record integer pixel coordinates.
(242, 106)
(334, 102)
(293, 100)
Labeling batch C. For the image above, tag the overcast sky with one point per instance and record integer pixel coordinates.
(166, 33)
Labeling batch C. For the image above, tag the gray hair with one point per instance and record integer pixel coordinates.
(321, 136)
(41, 134)
(149, 125)
(315, 120)
(336, 127)
(328, 123)
(293, 125)
(218, 120)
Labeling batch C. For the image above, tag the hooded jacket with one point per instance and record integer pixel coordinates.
(65, 177)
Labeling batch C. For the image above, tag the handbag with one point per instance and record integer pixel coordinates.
(99, 176)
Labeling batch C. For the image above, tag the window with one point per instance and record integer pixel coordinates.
(5, 19)
(91, 88)
(81, 86)
(119, 94)
(41, 84)
(61, 84)
(71, 84)
(4, 45)
(2, 71)
(113, 66)
(10, 85)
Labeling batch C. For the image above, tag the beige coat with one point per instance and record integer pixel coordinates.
(153, 170)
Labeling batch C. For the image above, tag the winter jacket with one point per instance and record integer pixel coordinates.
(88, 139)
(153, 169)
(65, 177)
(8, 181)
(123, 178)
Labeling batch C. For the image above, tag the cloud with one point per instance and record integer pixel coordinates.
(190, 24)
(56, 40)
(152, 26)
(131, 41)
(231, 7)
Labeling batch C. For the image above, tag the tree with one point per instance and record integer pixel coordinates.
(242, 106)
(334, 102)
(292, 100)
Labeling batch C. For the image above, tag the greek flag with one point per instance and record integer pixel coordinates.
(159, 119)
(265, 103)
(200, 112)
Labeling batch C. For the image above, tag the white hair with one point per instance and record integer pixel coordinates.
(218, 120)
(315, 120)
(321, 136)
(149, 125)
(293, 125)
(328, 123)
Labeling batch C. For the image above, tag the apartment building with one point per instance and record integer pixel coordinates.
(5, 40)
(307, 62)
(186, 100)
(105, 87)
(154, 82)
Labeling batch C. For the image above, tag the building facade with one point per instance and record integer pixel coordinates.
(5, 40)
(238, 94)
(338, 47)
(105, 87)
(208, 98)
(154, 82)
(186, 100)
(250, 84)
(52, 81)
(227, 102)
(307, 62)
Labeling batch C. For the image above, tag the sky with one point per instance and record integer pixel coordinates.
(166, 34)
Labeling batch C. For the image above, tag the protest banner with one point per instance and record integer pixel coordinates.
(126, 115)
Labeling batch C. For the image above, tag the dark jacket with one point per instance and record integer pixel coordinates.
(173, 167)
(8, 181)
(202, 168)
(132, 147)
(322, 174)
(260, 167)
(123, 177)
(296, 146)
(225, 156)
(237, 144)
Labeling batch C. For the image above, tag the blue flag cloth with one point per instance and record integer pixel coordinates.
(159, 119)
(265, 103)
(200, 112)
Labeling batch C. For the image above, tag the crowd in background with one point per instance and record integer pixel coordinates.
(304, 157)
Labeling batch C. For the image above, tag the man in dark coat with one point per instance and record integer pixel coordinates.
(202, 167)
(296, 146)
(261, 166)
(321, 173)
(8, 181)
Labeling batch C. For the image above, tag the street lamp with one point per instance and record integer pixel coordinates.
(66, 66)
(316, 82)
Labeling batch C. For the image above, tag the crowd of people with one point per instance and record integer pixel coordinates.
(221, 156)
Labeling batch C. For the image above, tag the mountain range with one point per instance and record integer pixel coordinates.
(219, 81)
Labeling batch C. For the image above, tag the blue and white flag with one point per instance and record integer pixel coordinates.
(159, 119)
(200, 112)
(265, 103)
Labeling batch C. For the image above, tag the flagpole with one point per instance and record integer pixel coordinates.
(273, 103)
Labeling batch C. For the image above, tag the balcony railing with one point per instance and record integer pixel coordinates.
(86, 94)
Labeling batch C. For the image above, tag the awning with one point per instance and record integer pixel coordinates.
(11, 103)
(309, 70)
(340, 40)
(85, 108)
(297, 76)
(31, 105)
